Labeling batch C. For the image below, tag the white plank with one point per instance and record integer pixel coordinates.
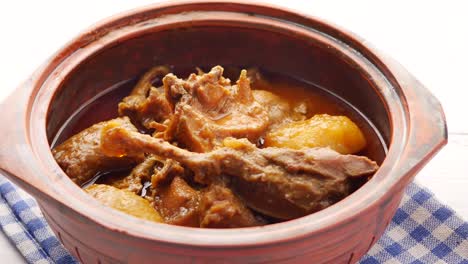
(447, 174)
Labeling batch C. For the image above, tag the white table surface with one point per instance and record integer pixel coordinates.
(430, 38)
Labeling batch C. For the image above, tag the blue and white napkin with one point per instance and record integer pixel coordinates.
(423, 231)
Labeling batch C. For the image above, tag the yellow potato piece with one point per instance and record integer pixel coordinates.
(337, 132)
(124, 201)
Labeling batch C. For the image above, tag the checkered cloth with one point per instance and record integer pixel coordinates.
(22, 222)
(422, 231)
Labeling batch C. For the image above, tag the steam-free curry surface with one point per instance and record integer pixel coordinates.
(208, 151)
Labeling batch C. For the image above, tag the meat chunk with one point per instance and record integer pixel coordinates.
(134, 181)
(124, 201)
(178, 203)
(214, 207)
(153, 169)
(208, 108)
(278, 109)
(220, 208)
(81, 158)
(147, 105)
(292, 183)
(169, 169)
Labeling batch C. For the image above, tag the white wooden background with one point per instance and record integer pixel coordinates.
(430, 38)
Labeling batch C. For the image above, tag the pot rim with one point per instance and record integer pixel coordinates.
(119, 28)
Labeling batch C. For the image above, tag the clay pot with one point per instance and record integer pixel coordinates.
(409, 118)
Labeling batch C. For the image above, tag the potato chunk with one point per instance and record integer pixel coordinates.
(124, 201)
(337, 132)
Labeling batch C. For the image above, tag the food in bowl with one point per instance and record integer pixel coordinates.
(206, 152)
(83, 82)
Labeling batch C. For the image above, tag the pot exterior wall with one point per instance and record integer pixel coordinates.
(347, 243)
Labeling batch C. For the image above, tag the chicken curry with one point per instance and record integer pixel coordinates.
(204, 151)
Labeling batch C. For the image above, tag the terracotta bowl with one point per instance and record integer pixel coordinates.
(188, 34)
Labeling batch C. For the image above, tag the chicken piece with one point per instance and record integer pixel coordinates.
(285, 183)
(220, 208)
(279, 110)
(178, 203)
(124, 201)
(81, 158)
(166, 173)
(153, 169)
(208, 109)
(146, 105)
(336, 132)
(141, 173)
(214, 207)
